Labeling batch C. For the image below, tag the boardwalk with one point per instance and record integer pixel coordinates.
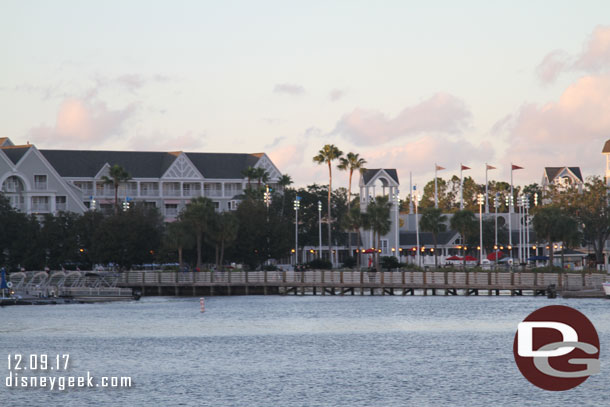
(343, 282)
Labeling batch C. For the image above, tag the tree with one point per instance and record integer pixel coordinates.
(350, 163)
(261, 175)
(198, 214)
(222, 233)
(465, 223)
(378, 220)
(548, 224)
(249, 173)
(433, 221)
(178, 237)
(446, 197)
(327, 155)
(354, 221)
(284, 182)
(116, 176)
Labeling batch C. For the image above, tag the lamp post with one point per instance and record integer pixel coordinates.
(509, 205)
(320, 229)
(481, 200)
(397, 234)
(297, 204)
(496, 205)
(526, 232)
(415, 199)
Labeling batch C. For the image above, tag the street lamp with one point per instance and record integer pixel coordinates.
(510, 205)
(481, 201)
(415, 199)
(526, 232)
(496, 206)
(397, 234)
(297, 204)
(320, 229)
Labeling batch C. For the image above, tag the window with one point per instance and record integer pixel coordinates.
(232, 205)
(40, 182)
(216, 206)
(149, 189)
(384, 246)
(40, 204)
(171, 210)
(149, 204)
(60, 203)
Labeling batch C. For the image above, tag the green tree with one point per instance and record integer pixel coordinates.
(198, 215)
(351, 162)
(249, 173)
(433, 221)
(223, 232)
(465, 223)
(354, 221)
(284, 182)
(446, 197)
(117, 175)
(378, 220)
(177, 237)
(327, 155)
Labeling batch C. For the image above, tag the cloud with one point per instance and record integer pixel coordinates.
(158, 141)
(336, 94)
(289, 89)
(81, 120)
(442, 113)
(594, 58)
(551, 66)
(570, 131)
(419, 156)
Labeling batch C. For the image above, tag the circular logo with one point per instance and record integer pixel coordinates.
(556, 348)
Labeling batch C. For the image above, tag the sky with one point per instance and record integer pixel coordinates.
(406, 84)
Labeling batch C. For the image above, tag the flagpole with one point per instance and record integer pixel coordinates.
(435, 187)
(486, 191)
(411, 191)
(461, 188)
(510, 206)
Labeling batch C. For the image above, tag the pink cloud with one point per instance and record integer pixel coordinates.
(159, 141)
(441, 113)
(570, 131)
(83, 121)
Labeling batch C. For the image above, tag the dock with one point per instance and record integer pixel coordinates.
(351, 282)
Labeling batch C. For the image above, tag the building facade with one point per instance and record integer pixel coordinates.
(48, 181)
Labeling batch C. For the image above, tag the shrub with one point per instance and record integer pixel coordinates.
(321, 264)
(389, 262)
(350, 262)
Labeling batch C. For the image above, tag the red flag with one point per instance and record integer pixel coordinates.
(516, 167)
(465, 168)
(490, 167)
(438, 167)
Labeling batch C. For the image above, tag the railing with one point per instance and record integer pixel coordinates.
(432, 279)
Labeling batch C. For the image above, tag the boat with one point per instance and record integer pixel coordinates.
(606, 286)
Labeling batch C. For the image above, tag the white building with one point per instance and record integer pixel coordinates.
(47, 181)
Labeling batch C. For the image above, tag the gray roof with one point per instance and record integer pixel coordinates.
(368, 174)
(552, 172)
(145, 164)
(15, 153)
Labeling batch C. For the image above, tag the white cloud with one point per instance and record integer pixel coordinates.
(289, 89)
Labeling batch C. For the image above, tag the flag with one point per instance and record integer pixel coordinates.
(515, 167)
(465, 168)
(438, 167)
(490, 167)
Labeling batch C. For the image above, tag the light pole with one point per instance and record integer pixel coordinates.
(415, 199)
(320, 229)
(496, 205)
(509, 205)
(481, 201)
(526, 231)
(397, 234)
(297, 204)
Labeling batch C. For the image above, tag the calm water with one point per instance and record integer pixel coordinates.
(294, 351)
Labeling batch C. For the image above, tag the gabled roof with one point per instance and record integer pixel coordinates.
(606, 149)
(552, 172)
(145, 164)
(14, 153)
(368, 174)
(5, 142)
(222, 165)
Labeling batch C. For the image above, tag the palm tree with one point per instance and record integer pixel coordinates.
(198, 214)
(465, 223)
(261, 175)
(551, 222)
(378, 220)
(223, 232)
(177, 237)
(354, 221)
(250, 174)
(116, 176)
(350, 163)
(433, 221)
(284, 181)
(326, 155)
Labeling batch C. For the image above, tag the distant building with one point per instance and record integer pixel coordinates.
(48, 181)
(562, 178)
(606, 152)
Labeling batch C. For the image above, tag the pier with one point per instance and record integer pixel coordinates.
(350, 282)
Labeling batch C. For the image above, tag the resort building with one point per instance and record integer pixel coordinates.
(48, 181)
(562, 178)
